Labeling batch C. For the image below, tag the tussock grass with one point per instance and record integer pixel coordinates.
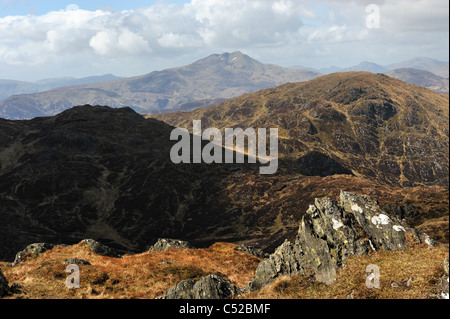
(146, 275)
(421, 263)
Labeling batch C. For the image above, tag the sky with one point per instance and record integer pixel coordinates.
(78, 38)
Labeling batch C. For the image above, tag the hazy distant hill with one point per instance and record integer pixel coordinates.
(11, 87)
(366, 67)
(421, 77)
(217, 76)
(432, 65)
(429, 73)
(69, 81)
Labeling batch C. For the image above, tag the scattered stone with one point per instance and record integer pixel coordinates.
(4, 287)
(76, 261)
(395, 285)
(101, 249)
(32, 250)
(208, 287)
(16, 288)
(252, 251)
(164, 244)
(429, 241)
(410, 280)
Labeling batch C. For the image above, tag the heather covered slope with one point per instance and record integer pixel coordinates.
(371, 125)
(103, 173)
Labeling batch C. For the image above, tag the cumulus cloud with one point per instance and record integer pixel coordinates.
(139, 31)
(283, 28)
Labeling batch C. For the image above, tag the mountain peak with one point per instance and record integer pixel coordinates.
(227, 58)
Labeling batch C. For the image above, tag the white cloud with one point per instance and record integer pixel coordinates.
(320, 32)
(115, 43)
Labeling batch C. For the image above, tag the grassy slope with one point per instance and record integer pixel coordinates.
(148, 275)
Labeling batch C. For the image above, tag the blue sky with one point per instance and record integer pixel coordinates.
(39, 7)
(55, 38)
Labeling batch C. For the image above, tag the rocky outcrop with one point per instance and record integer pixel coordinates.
(101, 249)
(4, 287)
(328, 235)
(164, 244)
(32, 250)
(284, 261)
(208, 287)
(252, 251)
(76, 261)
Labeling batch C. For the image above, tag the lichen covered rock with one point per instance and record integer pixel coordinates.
(164, 244)
(328, 235)
(32, 250)
(101, 249)
(384, 232)
(208, 287)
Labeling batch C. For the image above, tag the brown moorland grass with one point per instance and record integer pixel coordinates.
(424, 265)
(142, 276)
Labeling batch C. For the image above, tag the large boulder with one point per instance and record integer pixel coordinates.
(208, 287)
(4, 287)
(252, 251)
(328, 235)
(101, 249)
(164, 244)
(32, 250)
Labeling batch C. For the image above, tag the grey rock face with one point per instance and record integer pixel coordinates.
(76, 261)
(328, 235)
(208, 287)
(383, 231)
(101, 249)
(164, 244)
(252, 251)
(4, 288)
(284, 261)
(32, 250)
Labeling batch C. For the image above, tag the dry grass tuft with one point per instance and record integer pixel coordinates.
(421, 265)
(146, 275)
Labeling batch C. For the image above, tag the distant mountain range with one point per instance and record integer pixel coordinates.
(204, 83)
(12, 87)
(430, 73)
(219, 76)
(421, 77)
(427, 64)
